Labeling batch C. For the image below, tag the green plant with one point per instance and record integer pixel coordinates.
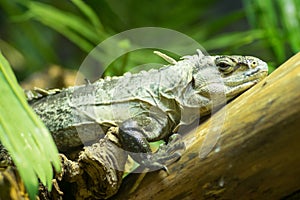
(24, 135)
(279, 21)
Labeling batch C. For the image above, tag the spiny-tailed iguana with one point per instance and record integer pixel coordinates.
(147, 106)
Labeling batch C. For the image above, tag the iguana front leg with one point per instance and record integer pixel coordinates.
(135, 140)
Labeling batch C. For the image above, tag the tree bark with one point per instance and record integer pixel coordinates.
(256, 157)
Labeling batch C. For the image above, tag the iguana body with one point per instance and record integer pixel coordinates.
(133, 110)
(147, 106)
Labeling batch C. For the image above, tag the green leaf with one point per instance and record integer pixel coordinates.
(233, 39)
(279, 19)
(73, 27)
(290, 19)
(91, 15)
(24, 135)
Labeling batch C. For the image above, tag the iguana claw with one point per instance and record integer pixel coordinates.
(167, 153)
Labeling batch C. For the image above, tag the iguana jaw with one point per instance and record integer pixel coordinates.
(232, 73)
(217, 79)
(245, 74)
(244, 77)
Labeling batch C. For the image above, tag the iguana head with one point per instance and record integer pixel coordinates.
(239, 73)
(217, 79)
(230, 75)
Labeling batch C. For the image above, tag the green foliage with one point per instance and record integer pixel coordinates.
(24, 135)
(25, 38)
(87, 23)
(280, 22)
(83, 33)
(273, 35)
(233, 39)
(36, 33)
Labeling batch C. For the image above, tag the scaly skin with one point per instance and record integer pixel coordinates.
(147, 106)
(135, 109)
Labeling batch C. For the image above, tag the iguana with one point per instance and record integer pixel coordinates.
(146, 106)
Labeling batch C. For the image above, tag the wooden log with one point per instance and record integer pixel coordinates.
(257, 155)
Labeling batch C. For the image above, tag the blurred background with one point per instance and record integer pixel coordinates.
(37, 35)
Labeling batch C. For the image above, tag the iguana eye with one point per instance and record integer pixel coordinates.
(223, 66)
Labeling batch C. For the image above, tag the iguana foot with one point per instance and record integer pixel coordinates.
(135, 140)
(166, 154)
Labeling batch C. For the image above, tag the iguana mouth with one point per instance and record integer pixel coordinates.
(251, 72)
(254, 76)
(261, 69)
(251, 75)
